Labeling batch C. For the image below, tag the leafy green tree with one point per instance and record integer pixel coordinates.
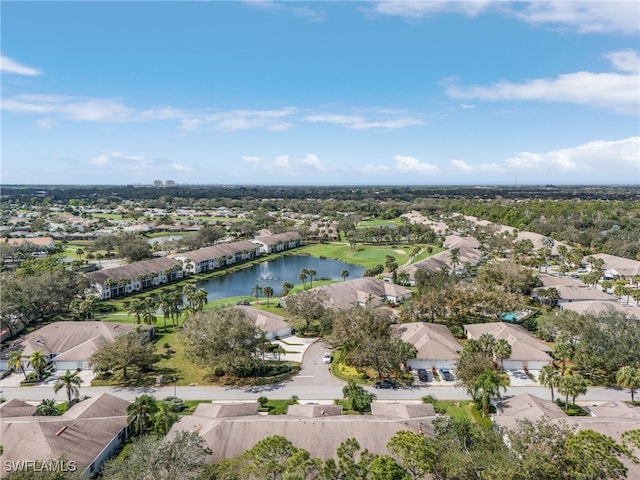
(594, 455)
(549, 377)
(164, 417)
(414, 451)
(268, 459)
(359, 398)
(142, 412)
(70, 382)
(286, 288)
(222, 337)
(132, 349)
(310, 307)
(384, 467)
(181, 457)
(629, 377)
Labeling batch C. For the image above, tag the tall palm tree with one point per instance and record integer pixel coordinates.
(38, 361)
(629, 377)
(489, 384)
(150, 308)
(344, 274)
(15, 362)
(70, 381)
(549, 377)
(199, 299)
(256, 291)
(312, 273)
(572, 385)
(303, 278)
(502, 350)
(164, 303)
(563, 350)
(454, 257)
(141, 411)
(267, 292)
(135, 307)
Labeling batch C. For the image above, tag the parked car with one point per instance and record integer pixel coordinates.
(243, 302)
(326, 358)
(386, 384)
(423, 376)
(446, 375)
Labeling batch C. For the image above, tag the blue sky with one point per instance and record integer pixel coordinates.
(314, 93)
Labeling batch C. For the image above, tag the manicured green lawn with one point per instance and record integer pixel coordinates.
(365, 255)
(378, 222)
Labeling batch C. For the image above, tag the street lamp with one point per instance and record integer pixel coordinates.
(175, 380)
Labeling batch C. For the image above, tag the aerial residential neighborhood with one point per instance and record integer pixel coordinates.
(310, 240)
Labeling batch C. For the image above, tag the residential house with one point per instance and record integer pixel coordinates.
(319, 429)
(278, 242)
(366, 291)
(436, 346)
(527, 352)
(271, 324)
(618, 267)
(217, 256)
(87, 434)
(69, 345)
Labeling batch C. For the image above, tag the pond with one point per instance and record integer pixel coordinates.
(273, 273)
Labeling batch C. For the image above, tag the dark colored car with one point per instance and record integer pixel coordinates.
(446, 375)
(423, 376)
(244, 302)
(386, 384)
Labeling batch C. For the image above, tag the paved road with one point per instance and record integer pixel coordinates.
(306, 393)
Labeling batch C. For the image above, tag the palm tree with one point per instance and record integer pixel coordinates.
(629, 377)
(403, 277)
(199, 299)
(267, 292)
(256, 291)
(141, 411)
(71, 382)
(488, 384)
(563, 349)
(164, 303)
(344, 274)
(572, 385)
(502, 350)
(549, 377)
(312, 273)
(38, 361)
(164, 418)
(303, 278)
(454, 257)
(47, 408)
(15, 362)
(620, 291)
(135, 306)
(486, 342)
(150, 308)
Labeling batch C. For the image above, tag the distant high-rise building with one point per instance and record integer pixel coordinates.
(157, 183)
(170, 183)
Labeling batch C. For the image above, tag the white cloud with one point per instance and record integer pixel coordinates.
(412, 10)
(270, 5)
(136, 164)
(244, 119)
(462, 165)
(8, 65)
(582, 16)
(614, 91)
(313, 161)
(374, 169)
(285, 165)
(181, 168)
(413, 165)
(601, 156)
(359, 122)
(45, 123)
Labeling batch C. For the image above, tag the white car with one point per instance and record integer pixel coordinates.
(326, 358)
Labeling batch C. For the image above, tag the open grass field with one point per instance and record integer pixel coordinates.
(364, 255)
(378, 222)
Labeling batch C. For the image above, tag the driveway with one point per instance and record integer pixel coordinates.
(314, 372)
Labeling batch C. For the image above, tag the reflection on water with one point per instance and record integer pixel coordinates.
(274, 273)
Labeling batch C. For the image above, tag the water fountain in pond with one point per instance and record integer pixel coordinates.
(265, 274)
